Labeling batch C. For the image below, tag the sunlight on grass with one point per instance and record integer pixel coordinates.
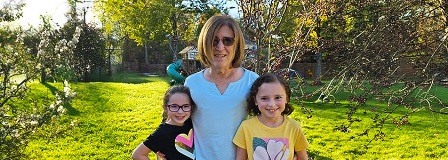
(112, 118)
(423, 138)
(107, 120)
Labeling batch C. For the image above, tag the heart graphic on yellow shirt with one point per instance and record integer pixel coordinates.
(184, 144)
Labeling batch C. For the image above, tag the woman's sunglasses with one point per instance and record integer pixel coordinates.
(227, 41)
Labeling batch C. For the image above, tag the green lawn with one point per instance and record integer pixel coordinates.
(424, 138)
(107, 120)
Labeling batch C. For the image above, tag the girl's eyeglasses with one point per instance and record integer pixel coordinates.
(176, 108)
(227, 41)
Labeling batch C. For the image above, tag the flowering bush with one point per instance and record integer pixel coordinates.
(18, 123)
(20, 115)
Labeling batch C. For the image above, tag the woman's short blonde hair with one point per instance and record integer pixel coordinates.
(207, 35)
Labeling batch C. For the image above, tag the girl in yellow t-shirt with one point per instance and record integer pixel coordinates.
(270, 134)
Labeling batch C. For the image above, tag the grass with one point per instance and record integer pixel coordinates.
(107, 120)
(424, 138)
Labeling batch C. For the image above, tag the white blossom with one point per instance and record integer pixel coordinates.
(51, 106)
(33, 122)
(73, 123)
(66, 90)
(63, 41)
(58, 102)
(15, 133)
(61, 109)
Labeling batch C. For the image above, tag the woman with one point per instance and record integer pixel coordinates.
(219, 91)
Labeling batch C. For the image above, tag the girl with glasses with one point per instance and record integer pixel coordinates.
(174, 137)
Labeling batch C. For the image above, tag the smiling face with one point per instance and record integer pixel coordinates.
(217, 28)
(271, 100)
(178, 117)
(222, 54)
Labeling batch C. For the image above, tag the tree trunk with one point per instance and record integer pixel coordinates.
(43, 76)
(146, 53)
(109, 73)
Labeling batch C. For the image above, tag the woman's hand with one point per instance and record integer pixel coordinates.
(160, 156)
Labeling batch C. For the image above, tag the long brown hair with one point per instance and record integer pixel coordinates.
(205, 42)
(268, 78)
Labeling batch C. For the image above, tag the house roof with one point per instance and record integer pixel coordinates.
(188, 49)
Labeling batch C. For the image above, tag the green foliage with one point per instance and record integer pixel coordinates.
(21, 118)
(89, 53)
(22, 59)
(140, 20)
(11, 10)
(156, 24)
(56, 51)
(14, 61)
(72, 52)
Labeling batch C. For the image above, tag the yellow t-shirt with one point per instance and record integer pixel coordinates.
(263, 142)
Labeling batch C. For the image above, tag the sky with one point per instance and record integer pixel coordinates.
(54, 8)
(57, 9)
(233, 12)
(34, 8)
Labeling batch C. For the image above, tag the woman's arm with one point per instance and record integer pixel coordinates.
(141, 152)
(301, 155)
(241, 154)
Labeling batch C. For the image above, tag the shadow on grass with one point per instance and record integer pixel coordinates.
(51, 88)
(134, 78)
(70, 109)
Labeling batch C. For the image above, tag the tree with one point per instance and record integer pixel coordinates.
(157, 23)
(86, 54)
(261, 20)
(89, 53)
(367, 43)
(11, 11)
(136, 20)
(19, 117)
(370, 42)
(48, 50)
